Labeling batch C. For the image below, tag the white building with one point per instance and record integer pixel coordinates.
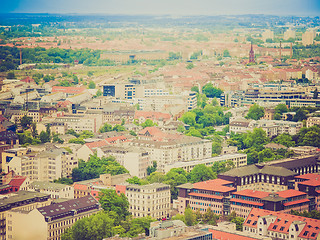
(56, 190)
(135, 160)
(43, 166)
(238, 159)
(149, 200)
(185, 148)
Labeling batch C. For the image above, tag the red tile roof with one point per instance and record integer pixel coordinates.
(152, 115)
(312, 182)
(2, 118)
(219, 235)
(309, 176)
(205, 195)
(96, 144)
(217, 185)
(290, 193)
(246, 202)
(252, 193)
(116, 139)
(70, 90)
(17, 181)
(283, 222)
(296, 202)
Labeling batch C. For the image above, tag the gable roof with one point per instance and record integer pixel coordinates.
(217, 185)
(283, 221)
(17, 181)
(259, 168)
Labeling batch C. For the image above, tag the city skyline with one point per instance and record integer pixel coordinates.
(178, 7)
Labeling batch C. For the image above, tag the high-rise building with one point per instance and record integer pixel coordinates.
(289, 34)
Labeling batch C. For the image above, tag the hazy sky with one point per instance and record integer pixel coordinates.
(173, 7)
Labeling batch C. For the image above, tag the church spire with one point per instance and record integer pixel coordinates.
(251, 55)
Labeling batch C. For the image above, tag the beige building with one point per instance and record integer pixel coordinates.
(81, 123)
(42, 166)
(136, 160)
(149, 200)
(22, 200)
(308, 37)
(56, 190)
(304, 150)
(238, 159)
(185, 148)
(49, 222)
(8, 154)
(311, 121)
(289, 34)
(267, 34)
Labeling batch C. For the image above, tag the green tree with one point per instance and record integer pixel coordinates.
(211, 92)
(11, 75)
(153, 168)
(216, 148)
(92, 85)
(209, 217)
(201, 173)
(256, 138)
(315, 93)
(190, 66)
(111, 201)
(34, 131)
(226, 53)
(284, 139)
(195, 89)
(105, 128)
(148, 123)
(175, 177)
(255, 112)
(44, 137)
(25, 122)
(64, 180)
(189, 118)
(237, 220)
(156, 177)
(189, 216)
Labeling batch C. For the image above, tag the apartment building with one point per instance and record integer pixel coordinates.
(149, 200)
(21, 200)
(41, 166)
(183, 148)
(242, 201)
(136, 160)
(93, 186)
(81, 123)
(238, 159)
(310, 184)
(271, 127)
(311, 121)
(302, 164)
(259, 177)
(203, 195)
(56, 190)
(49, 222)
(278, 225)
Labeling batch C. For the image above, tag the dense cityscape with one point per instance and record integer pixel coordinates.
(159, 127)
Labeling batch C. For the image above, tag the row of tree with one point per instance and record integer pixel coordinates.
(178, 176)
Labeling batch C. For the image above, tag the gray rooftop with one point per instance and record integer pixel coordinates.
(47, 185)
(259, 168)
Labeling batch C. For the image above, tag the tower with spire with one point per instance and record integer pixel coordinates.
(251, 55)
